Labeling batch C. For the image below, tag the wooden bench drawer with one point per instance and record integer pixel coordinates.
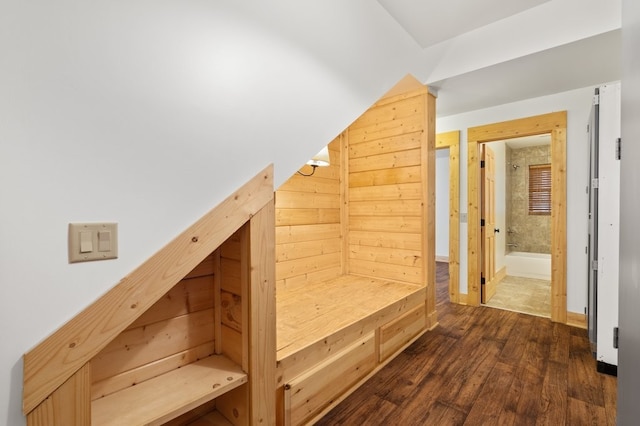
(311, 392)
(400, 331)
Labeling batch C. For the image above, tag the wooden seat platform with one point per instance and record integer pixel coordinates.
(310, 314)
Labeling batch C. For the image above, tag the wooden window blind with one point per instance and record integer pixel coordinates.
(540, 189)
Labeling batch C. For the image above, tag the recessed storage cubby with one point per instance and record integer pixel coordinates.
(187, 338)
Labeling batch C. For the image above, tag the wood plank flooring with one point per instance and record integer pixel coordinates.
(484, 366)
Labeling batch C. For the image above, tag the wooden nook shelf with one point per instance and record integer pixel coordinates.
(170, 395)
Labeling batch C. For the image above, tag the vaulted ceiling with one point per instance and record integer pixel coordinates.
(481, 54)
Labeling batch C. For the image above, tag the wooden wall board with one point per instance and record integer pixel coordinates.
(292, 234)
(404, 191)
(403, 142)
(262, 317)
(69, 405)
(385, 161)
(148, 371)
(385, 177)
(391, 240)
(398, 332)
(142, 345)
(311, 392)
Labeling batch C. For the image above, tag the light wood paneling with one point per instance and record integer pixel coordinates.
(308, 219)
(68, 405)
(57, 358)
(398, 332)
(428, 231)
(262, 318)
(556, 125)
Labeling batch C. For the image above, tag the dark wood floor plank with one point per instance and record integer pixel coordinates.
(483, 366)
(488, 405)
(552, 408)
(584, 414)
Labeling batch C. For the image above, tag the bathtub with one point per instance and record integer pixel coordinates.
(528, 265)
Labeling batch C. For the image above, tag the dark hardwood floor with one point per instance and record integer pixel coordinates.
(484, 366)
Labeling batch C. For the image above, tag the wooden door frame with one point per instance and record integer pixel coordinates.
(451, 140)
(554, 124)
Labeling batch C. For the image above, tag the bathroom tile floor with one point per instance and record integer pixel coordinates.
(526, 295)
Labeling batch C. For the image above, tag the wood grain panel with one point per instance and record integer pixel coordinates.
(293, 234)
(385, 177)
(291, 268)
(262, 317)
(58, 357)
(406, 191)
(230, 279)
(148, 371)
(408, 224)
(292, 251)
(291, 199)
(384, 255)
(204, 268)
(386, 145)
(297, 281)
(309, 393)
(300, 216)
(391, 240)
(398, 332)
(385, 161)
(311, 184)
(142, 345)
(407, 274)
(388, 129)
(69, 405)
(189, 295)
(231, 314)
(389, 208)
(388, 113)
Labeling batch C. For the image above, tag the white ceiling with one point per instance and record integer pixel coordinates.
(590, 61)
(431, 21)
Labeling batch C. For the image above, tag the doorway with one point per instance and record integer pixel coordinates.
(554, 124)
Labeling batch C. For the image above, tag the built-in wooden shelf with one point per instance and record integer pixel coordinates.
(212, 419)
(170, 395)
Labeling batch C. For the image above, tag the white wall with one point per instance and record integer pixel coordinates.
(148, 114)
(577, 103)
(442, 202)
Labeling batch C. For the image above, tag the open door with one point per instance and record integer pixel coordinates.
(488, 222)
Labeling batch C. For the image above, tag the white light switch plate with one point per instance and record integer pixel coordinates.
(92, 241)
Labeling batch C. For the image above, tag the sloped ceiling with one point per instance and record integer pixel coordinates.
(432, 21)
(482, 54)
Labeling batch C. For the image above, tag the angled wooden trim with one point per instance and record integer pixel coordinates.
(428, 171)
(262, 317)
(59, 356)
(447, 139)
(556, 125)
(410, 94)
(451, 140)
(528, 126)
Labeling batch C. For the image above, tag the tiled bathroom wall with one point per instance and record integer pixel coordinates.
(528, 233)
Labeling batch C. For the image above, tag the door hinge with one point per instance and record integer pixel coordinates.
(482, 281)
(618, 148)
(594, 265)
(482, 164)
(615, 337)
(596, 99)
(481, 222)
(594, 183)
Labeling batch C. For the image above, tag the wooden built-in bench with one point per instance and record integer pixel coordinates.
(355, 247)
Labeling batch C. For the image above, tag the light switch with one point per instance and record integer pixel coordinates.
(86, 241)
(92, 241)
(104, 240)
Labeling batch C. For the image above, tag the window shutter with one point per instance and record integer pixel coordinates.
(540, 189)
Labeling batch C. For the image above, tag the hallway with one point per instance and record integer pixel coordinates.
(485, 366)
